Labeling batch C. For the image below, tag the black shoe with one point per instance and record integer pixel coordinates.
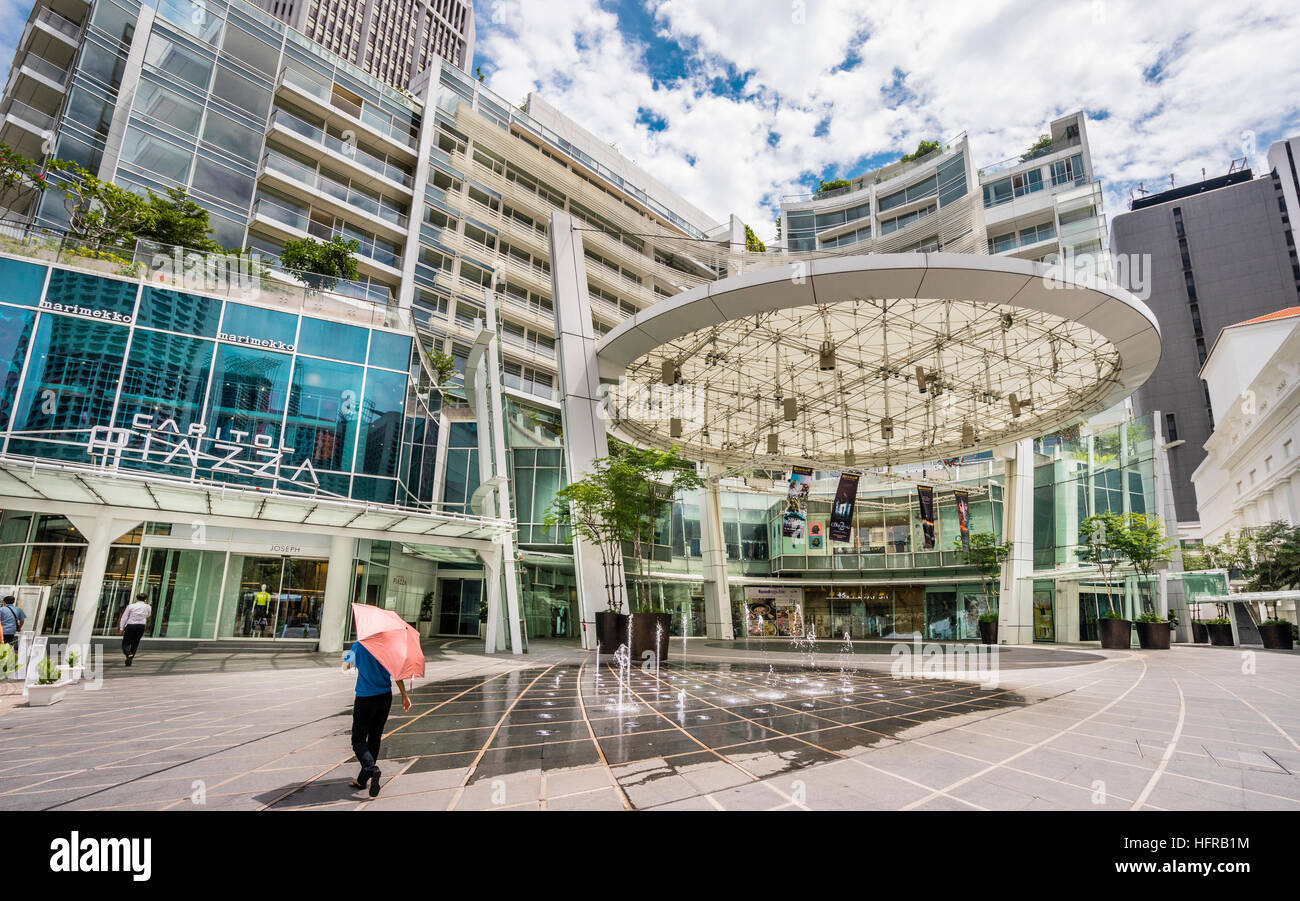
(128, 661)
(374, 782)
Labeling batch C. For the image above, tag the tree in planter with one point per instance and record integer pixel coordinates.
(443, 366)
(587, 508)
(1043, 143)
(1100, 543)
(620, 503)
(1142, 543)
(177, 220)
(99, 212)
(321, 264)
(987, 556)
(922, 148)
(825, 187)
(21, 177)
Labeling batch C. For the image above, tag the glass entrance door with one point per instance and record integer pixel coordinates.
(273, 597)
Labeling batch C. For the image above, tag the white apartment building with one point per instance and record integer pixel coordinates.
(1043, 203)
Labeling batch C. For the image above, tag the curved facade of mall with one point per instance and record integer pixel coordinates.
(254, 456)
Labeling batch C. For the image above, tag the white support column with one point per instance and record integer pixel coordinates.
(1016, 598)
(338, 591)
(100, 532)
(580, 395)
(713, 556)
(495, 630)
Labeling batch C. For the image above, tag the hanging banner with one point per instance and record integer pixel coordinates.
(795, 520)
(926, 495)
(846, 495)
(963, 516)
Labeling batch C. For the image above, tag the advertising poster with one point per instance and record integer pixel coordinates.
(926, 495)
(794, 523)
(770, 609)
(963, 517)
(846, 495)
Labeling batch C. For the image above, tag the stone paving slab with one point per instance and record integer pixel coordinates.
(730, 728)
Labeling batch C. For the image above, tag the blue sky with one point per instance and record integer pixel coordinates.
(734, 105)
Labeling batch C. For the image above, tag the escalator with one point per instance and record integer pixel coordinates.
(1243, 616)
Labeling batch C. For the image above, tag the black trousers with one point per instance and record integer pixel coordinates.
(369, 714)
(131, 636)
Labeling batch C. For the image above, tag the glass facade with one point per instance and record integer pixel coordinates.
(137, 377)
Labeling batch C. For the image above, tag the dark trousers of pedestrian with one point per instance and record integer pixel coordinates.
(11, 639)
(369, 714)
(131, 636)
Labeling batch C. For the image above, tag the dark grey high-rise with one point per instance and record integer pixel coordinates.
(1219, 255)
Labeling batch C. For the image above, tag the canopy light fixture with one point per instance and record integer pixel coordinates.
(674, 428)
(791, 409)
(773, 443)
(887, 428)
(827, 356)
(921, 379)
(1015, 405)
(669, 373)
(967, 435)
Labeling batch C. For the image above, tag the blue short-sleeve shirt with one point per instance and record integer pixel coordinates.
(372, 678)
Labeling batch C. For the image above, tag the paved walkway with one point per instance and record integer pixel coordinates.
(727, 728)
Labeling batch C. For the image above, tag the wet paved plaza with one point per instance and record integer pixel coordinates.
(731, 728)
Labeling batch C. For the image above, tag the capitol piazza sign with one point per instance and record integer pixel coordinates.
(227, 451)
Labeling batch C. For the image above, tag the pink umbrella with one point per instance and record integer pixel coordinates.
(390, 639)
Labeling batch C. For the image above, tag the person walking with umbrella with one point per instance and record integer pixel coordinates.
(386, 650)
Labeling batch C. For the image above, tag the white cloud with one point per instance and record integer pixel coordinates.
(999, 70)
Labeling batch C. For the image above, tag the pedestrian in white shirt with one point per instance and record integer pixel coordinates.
(132, 625)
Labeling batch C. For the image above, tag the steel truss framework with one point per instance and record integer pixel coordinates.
(919, 375)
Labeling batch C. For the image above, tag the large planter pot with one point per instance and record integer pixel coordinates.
(1153, 636)
(1200, 635)
(1277, 638)
(611, 630)
(1116, 634)
(1220, 634)
(989, 632)
(45, 695)
(643, 628)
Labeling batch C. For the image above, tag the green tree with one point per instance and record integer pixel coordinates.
(987, 555)
(1143, 543)
(443, 366)
(21, 178)
(176, 219)
(99, 212)
(752, 244)
(922, 149)
(825, 187)
(321, 264)
(1043, 143)
(1099, 543)
(620, 503)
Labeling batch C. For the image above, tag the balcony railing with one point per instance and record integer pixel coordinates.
(300, 221)
(46, 69)
(52, 19)
(30, 115)
(362, 158)
(1013, 162)
(237, 276)
(380, 122)
(343, 193)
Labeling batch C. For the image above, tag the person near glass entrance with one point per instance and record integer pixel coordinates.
(135, 618)
(370, 712)
(12, 618)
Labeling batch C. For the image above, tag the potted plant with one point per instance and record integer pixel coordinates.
(1276, 634)
(50, 687)
(1153, 632)
(649, 632)
(1220, 631)
(617, 507)
(74, 666)
(1102, 544)
(426, 614)
(987, 555)
(1200, 634)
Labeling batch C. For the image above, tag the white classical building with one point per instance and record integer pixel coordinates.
(1251, 474)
